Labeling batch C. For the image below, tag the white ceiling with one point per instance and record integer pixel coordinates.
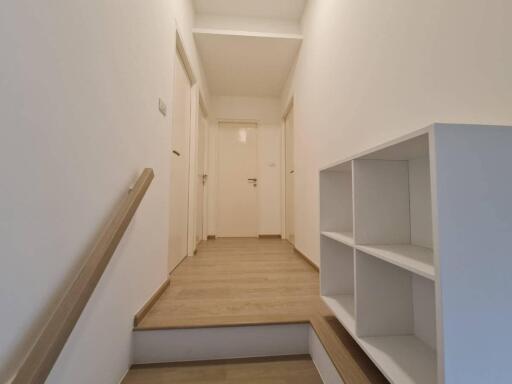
(246, 65)
(280, 9)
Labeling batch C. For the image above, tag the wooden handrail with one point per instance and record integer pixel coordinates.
(41, 358)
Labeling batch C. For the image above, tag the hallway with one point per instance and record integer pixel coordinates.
(266, 191)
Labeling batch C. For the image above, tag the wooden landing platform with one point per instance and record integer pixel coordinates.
(252, 282)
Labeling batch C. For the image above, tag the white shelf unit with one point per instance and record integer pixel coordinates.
(415, 239)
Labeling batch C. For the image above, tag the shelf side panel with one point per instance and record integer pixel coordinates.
(473, 211)
(423, 294)
(420, 202)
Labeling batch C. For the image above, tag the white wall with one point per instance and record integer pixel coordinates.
(266, 111)
(369, 71)
(79, 120)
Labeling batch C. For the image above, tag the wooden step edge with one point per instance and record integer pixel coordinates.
(149, 304)
(352, 364)
(235, 360)
(254, 323)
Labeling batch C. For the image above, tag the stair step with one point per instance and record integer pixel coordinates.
(265, 370)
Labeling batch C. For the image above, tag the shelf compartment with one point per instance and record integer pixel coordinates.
(402, 359)
(336, 205)
(419, 260)
(393, 208)
(337, 280)
(343, 308)
(346, 238)
(396, 319)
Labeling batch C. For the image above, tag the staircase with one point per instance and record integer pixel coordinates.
(244, 311)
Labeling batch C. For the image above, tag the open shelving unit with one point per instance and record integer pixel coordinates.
(413, 238)
(377, 259)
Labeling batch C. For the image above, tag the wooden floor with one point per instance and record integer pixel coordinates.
(238, 281)
(252, 281)
(284, 370)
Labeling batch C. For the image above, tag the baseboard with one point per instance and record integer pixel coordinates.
(152, 300)
(269, 236)
(211, 237)
(306, 259)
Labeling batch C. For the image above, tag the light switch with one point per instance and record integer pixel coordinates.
(162, 107)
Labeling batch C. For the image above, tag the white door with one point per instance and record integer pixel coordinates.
(289, 179)
(201, 176)
(180, 162)
(237, 180)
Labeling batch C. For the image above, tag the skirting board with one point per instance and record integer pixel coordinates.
(269, 236)
(211, 237)
(152, 300)
(306, 259)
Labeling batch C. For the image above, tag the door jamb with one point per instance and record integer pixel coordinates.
(286, 111)
(181, 54)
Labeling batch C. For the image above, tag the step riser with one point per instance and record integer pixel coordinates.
(220, 343)
(323, 363)
(199, 344)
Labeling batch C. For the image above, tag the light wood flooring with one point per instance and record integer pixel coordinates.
(238, 281)
(251, 281)
(276, 370)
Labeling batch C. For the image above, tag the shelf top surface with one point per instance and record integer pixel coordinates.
(416, 259)
(346, 238)
(407, 147)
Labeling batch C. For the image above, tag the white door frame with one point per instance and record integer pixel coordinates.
(203, 111)
(181, 54)
(284, 115)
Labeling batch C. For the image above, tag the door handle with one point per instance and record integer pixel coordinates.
(292, 172)
(252, 180)
(176, 153)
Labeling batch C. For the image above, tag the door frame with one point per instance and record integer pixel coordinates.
(195, 100)
(214, 191)
(203, 111)
(288, 108)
